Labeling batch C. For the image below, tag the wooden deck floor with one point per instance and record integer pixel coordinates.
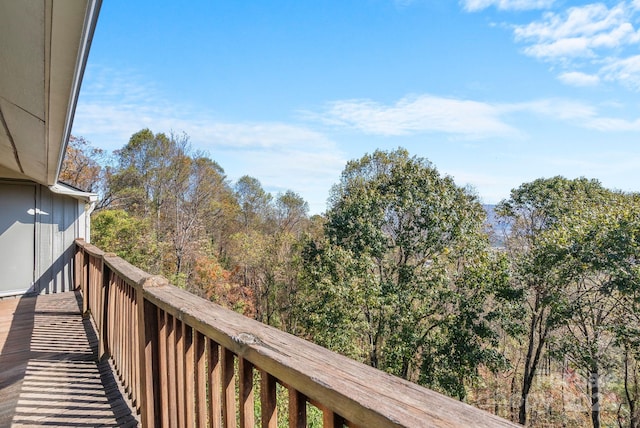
(48, 370)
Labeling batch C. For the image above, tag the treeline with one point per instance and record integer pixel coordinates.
(399, 272)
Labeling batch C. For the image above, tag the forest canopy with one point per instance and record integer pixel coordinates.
(400, 272)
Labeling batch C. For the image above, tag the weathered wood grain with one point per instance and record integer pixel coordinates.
(214, 368)
(359, 393)
(268, 400)
(245, 370)
(48, 370)
(229, 389)
(297, 409)
(349, 393)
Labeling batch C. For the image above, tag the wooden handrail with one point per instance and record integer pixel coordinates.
(186, 361)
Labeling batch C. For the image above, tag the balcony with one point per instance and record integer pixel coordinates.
(180, 360)
(49, 374)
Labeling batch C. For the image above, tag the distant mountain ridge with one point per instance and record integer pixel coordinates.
(494, 227)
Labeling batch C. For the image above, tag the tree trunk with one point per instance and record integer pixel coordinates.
(631, 398)
(538, 329)
(595, 397)
(373, 356)
(529, 371)
(522, 413)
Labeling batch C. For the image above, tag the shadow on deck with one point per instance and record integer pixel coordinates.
(48, 370)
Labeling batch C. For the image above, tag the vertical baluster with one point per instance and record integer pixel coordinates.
(268, 400)
(103, 309)
(171, 368)
(245, 368)
(102, 318)
(113, 318)
(331, 419)
(189, 372)
(297, 409)
(133, 341)
(180, 375)
(126, 336)
(200, 355)
(163, 365)
(76, 269)
(149, 353)
(97, 286)
(84, 272)
(229, 388)
(118, 323)
(133, 335)
(215, 386)
(125, 330)
(115, 313)
(90, 280)
(121, 334)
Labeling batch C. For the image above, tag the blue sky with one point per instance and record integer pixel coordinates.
(494, 92)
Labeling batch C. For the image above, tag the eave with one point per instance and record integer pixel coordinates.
(44, 45)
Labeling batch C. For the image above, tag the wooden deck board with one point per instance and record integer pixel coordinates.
(48, 370)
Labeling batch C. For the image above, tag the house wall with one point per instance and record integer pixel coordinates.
(59, 220)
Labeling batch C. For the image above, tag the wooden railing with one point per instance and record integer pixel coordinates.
(185, 362)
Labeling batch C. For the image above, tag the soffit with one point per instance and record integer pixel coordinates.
(43, 49)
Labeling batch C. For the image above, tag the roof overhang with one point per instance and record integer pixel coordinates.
(44, 45)
(64, 189)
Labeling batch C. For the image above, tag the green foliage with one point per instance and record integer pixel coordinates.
(574, 256)
(118, 232)
(398, 275)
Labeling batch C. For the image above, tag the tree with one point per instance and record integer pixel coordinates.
(81, 165)
(531, 210)
(265, 249)
(291, 212)
(254, 202)
(397, 272)
(125, 235)
(594, 252)
(182, 195)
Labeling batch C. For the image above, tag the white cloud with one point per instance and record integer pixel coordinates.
(591, 43)
(115, 104)
(419, 114)
(466, 118)
(626, 71)
(477, 5)
(579, 31)
(267, 135)
(577, 78)
(558, 109)
(463, 118)
(612, 124)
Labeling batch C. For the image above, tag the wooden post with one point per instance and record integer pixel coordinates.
(189, 374)
(331, 419)
(84, 274)
(297, 409)
(180, 376)
(245, 369)
(215, 383)
(77, 271)
(172, 402)
(229, 389)
(148, 354)
(104, 274)
(163, 365)
(268, 400)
